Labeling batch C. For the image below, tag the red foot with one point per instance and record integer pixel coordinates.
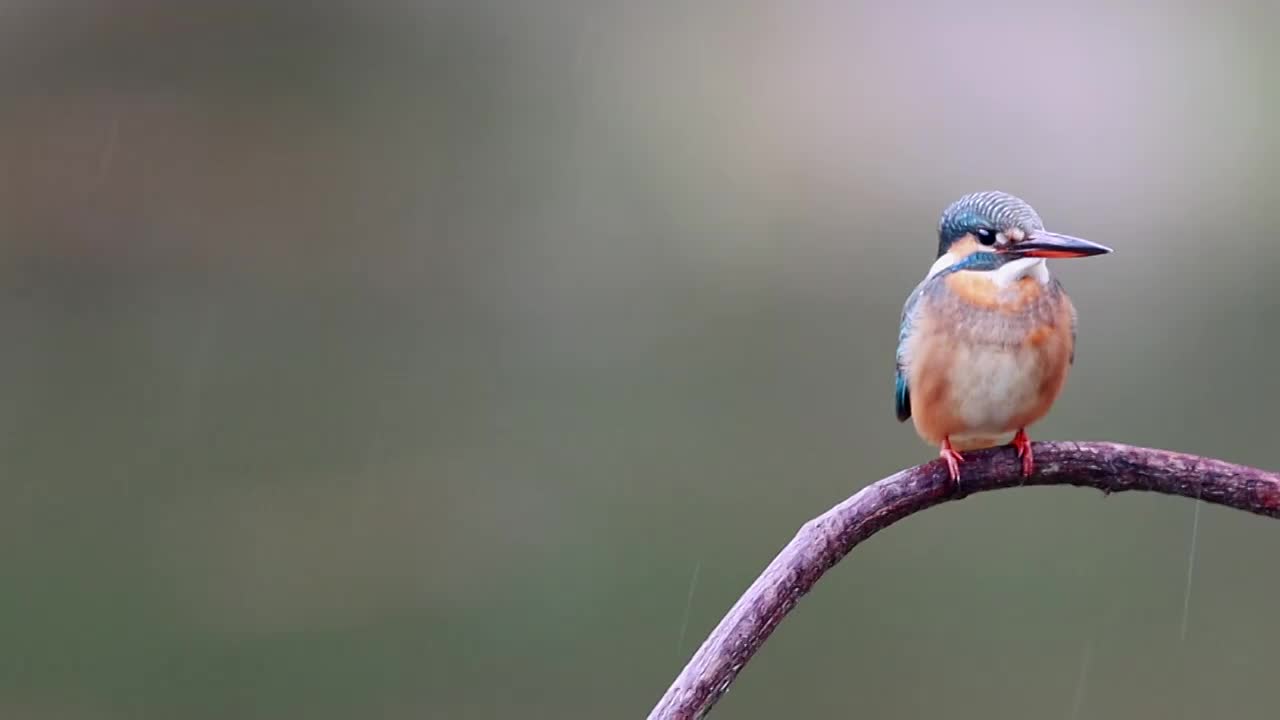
(1023, 444)
(953, 459)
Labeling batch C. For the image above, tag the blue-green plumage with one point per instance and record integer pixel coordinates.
(902, 397)
(992, 210)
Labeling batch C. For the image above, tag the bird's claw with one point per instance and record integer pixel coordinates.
(1023, 445)
(953, 459)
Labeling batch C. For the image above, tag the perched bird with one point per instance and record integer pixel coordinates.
(988, 337)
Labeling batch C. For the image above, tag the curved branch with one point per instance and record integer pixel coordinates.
(824, 540)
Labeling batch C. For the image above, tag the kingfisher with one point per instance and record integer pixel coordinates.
(988, 337)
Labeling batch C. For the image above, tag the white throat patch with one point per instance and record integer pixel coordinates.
(1002, 276)
(1015, 270)
(943, 262)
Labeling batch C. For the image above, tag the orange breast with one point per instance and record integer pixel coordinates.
(987, 361)
(978, 291)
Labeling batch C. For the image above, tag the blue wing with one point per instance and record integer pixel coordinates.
(902, 392)
(902, 397)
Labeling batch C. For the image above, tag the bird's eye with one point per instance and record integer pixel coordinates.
(986, 237)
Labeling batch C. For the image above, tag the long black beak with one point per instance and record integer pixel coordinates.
(1052, 245)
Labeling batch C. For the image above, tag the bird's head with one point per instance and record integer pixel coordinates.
(1006, 228)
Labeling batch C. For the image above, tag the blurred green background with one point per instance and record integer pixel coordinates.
(467, 360)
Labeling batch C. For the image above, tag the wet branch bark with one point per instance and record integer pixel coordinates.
(824, 540)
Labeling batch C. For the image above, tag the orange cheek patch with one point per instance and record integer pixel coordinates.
(964, 247)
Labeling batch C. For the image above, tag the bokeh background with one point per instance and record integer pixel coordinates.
(467, 360)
